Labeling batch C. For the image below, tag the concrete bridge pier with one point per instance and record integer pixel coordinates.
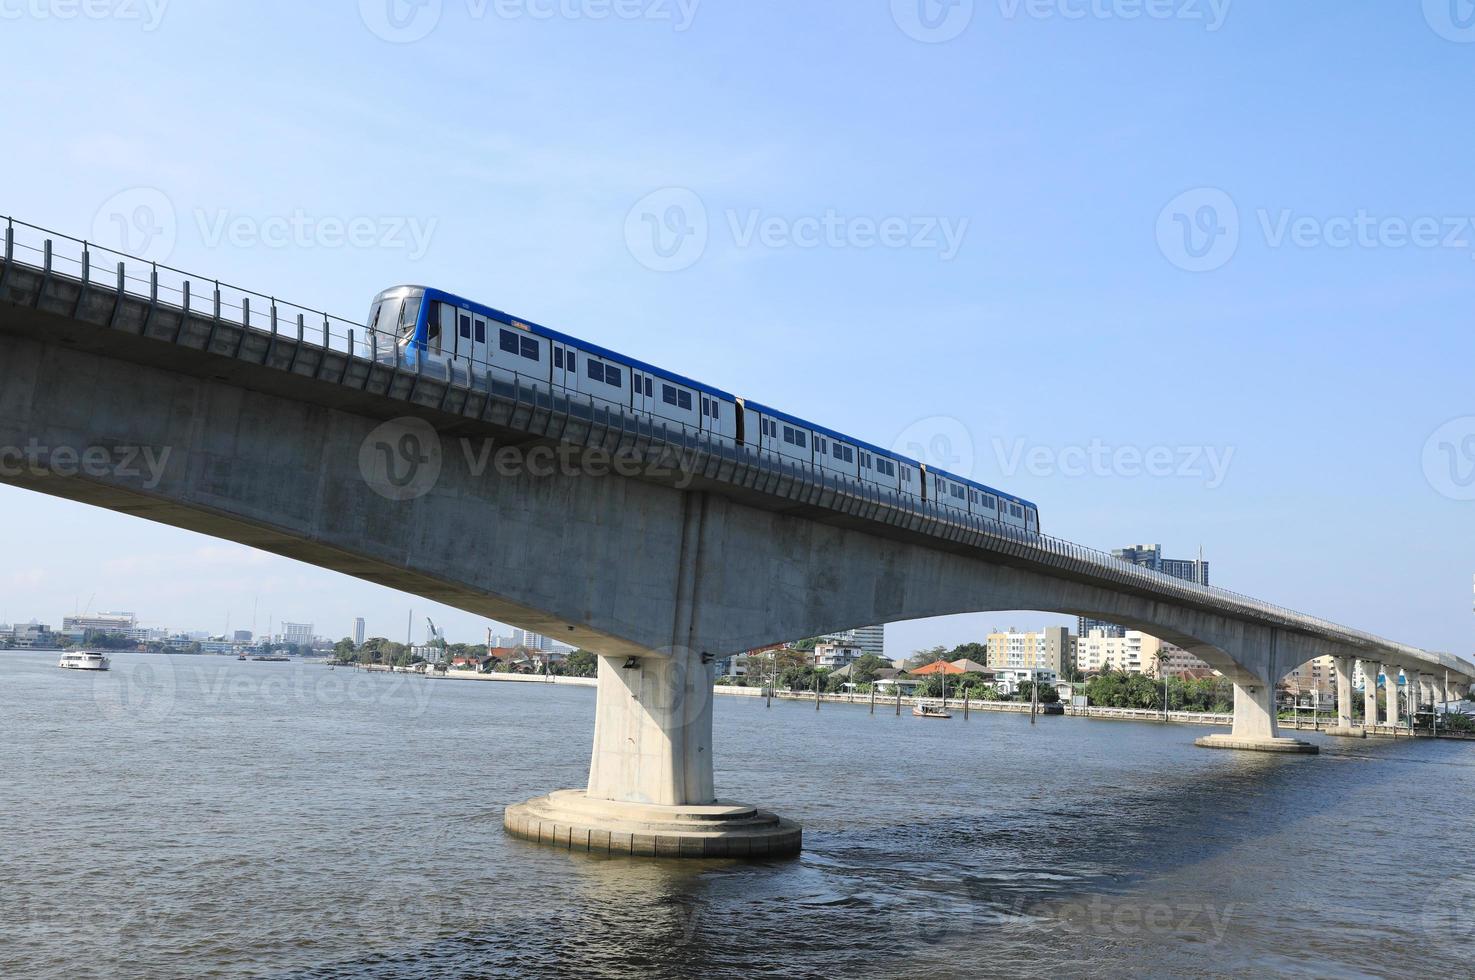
(1255, 726)
(1344, 725)
(1390, 695)
(1369, 695)
(650, 790)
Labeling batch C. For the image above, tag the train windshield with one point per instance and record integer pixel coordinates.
(396, 316)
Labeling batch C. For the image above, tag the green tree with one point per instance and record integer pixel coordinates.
(581, 663)
(922, 658)
(865, 669)
(976, 652)
(1048, 693)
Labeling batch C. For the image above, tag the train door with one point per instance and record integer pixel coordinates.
(565, 367)
(476, 349)
(642, 390)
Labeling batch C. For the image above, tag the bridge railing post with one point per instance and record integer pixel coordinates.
(9, 252)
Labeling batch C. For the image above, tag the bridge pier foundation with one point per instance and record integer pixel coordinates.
(650, 790)
(1344, 726)
(1255, 728)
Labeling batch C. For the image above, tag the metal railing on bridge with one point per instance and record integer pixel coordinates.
(161, 285)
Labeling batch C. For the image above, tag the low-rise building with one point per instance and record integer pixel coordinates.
(1009, 679)
(830, 656)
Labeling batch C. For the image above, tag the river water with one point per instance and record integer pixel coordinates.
(198, 816)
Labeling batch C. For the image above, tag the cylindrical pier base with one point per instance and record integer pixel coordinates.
(569, 819)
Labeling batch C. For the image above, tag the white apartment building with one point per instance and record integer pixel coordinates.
(1134, 653)
(831, 656)
(1008, 679)
(1050, 649)
(297, 633)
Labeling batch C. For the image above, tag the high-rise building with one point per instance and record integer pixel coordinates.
(358, 632)
(241, 636)
(1147, 556)
(1049, 649)
(298, 634)
(531, 640)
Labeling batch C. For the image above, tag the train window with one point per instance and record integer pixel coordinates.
(614, 376)
(508, 341)
(571, 365)
(890, 468)
(706, 408)
(648, 389)
(838, 451)
(596, 370)
(683, 400)
(988, 503)
(789, 435)
(558, 357)
(481, 331)
(668, 394)
(466, 327)
(530, 349)
(410, 315)
(800, 439)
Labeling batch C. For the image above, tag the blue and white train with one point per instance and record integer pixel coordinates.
(447, 331)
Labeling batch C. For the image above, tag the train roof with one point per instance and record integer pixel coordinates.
(583, 345)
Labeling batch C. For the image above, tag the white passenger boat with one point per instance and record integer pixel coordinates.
(84, 660)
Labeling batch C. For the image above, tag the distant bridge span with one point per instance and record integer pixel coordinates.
(657, 547)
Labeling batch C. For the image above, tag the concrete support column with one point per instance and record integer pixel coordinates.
(1369, 694)
(1390, 695)
(1344, 700)
(653, 731)
(1255, 726)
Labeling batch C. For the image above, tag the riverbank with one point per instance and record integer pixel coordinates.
(960, 708)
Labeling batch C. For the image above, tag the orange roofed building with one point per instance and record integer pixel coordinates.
(941, 667)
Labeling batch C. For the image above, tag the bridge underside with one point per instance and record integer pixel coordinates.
(658, 577)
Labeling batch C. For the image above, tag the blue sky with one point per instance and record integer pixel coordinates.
(1045, 239)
